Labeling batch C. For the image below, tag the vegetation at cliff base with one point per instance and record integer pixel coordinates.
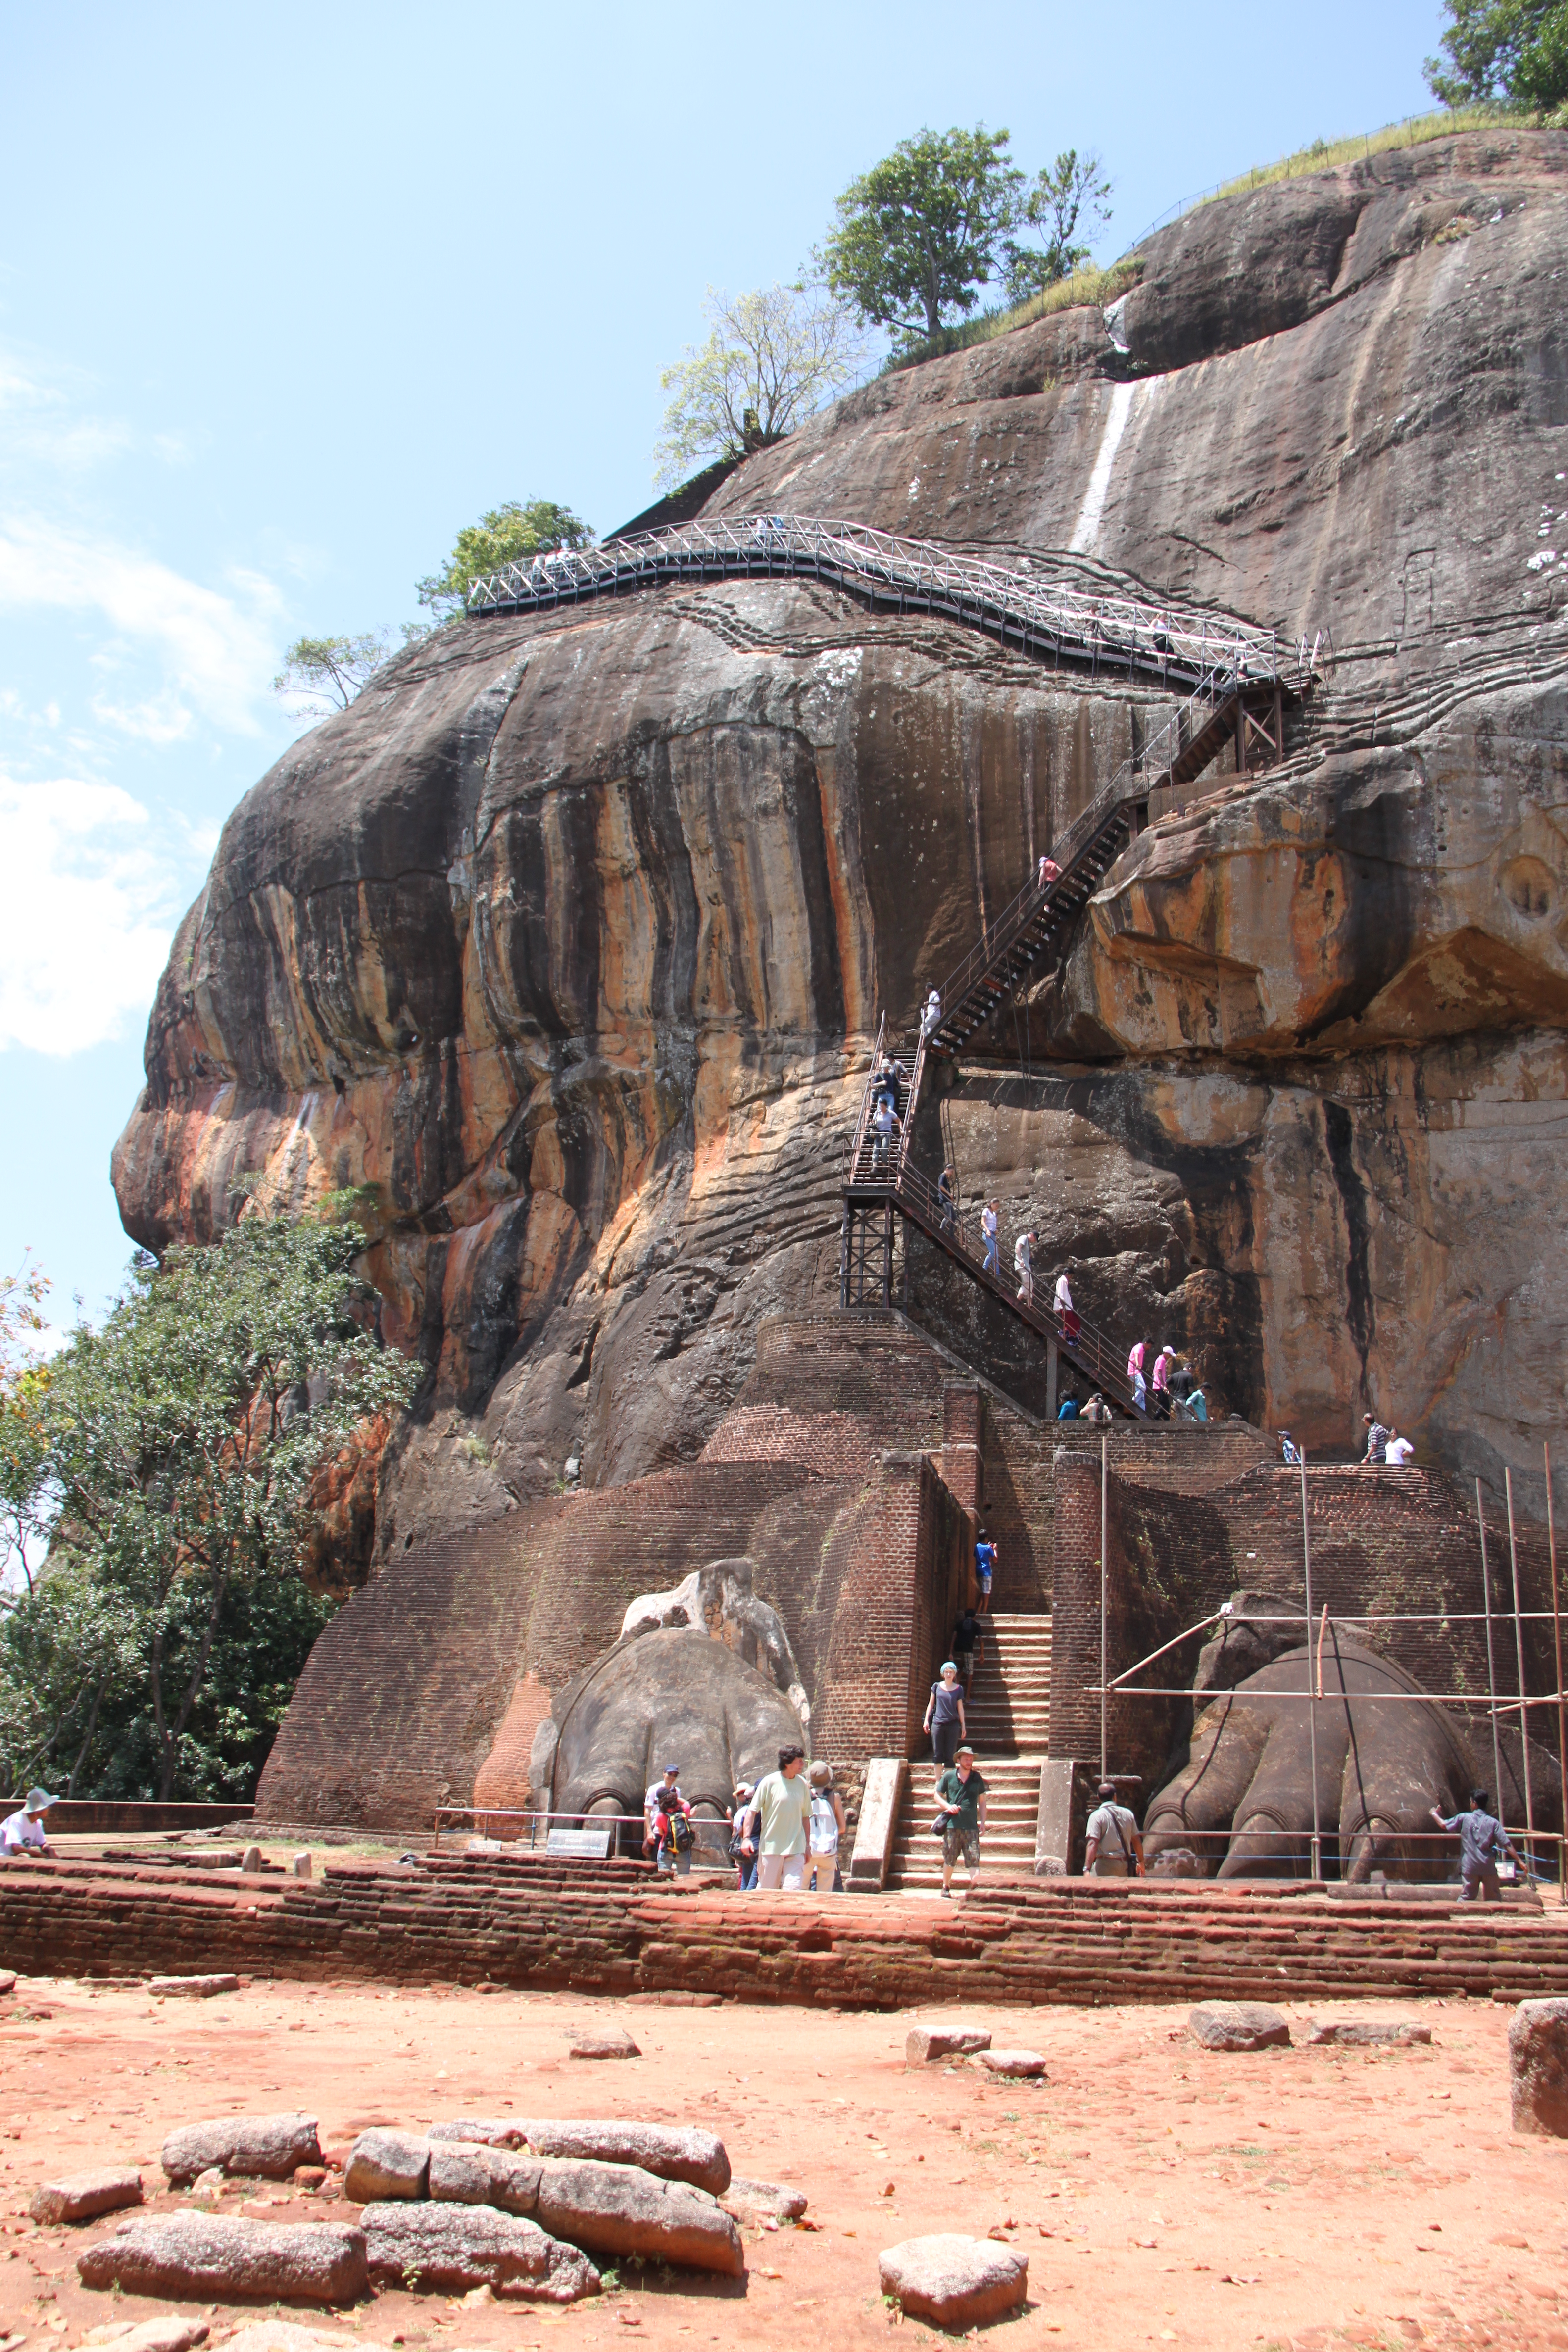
(771, 358)
(512, 533)
(1509, 51)
(947, 213)
(171, 1456)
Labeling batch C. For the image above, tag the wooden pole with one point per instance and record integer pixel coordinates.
(1311, 1695)
(1491, 1662)
(1519, 1646)
(1562, 1715)
(1104, 1515)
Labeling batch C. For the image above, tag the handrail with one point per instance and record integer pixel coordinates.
(1164, 640)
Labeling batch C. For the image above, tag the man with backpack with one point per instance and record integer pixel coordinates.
(1113, 1844)
(667, 1833)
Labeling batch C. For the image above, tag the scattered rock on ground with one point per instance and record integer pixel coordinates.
(266, 2147)
(1538, 2067)
(300, 1865)
(387, 2164)
(251, 1858)
(955, 2282)
(774, 2197)
(1238, 2025)
(673, 2152)
(619, 2208)
(7, 1980)
(1367, 2032)
(470, 2245)
(1019, 2066)
(477, 2174)
(603, 2045)
(192, 1988)
(83, 2196)
(207, 2257)
(927, 2044)
(171, 2334)
(488, 2131)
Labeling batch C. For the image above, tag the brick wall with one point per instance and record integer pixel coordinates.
(900, 1558)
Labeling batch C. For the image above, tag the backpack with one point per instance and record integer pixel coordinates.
(682, 1835)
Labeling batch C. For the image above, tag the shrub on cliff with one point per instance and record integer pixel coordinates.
(508, 534)
(770, 359)
(1512, 50)
(176, 1448)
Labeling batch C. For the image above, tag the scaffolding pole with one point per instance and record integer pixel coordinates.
(1519, 1647)
(1104, 1695)
(1491, 1662)
(1557, 1639)
(1312, 1707)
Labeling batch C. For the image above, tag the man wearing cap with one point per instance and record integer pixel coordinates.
(961, 1801)
(1113, 1844)
(24, 1832)
(663, 1801)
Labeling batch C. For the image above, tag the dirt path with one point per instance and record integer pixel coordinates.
(1165, 2195)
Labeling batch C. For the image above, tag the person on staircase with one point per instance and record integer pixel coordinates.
(1161, 1380)
(1024, 1267)
(960, 1795)
(945, 1716)
(931, 1019)
(947, 1193)
(968, 1643)
(1049, 872)
(989, 1221)
(1066, 1313)
(1137, 1357)
(884, 1128)
(985, 1561)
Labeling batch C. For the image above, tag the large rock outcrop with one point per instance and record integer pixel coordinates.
(568, 939)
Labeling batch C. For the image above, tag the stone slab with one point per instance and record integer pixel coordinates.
(603, 2045)
(192, 1988)
(447, 2246)
(1367, 2032)
(619, 2208)
(925, 2045)
(881, 1803)
(262, 2147)
(1238, 2025)
(83, 2196)
(384, 2164)
(673, 2152)
(955, 2282)
(218, 2257)
(774, 2197)
(468, 2173)
(1018, 2065)
(1538, 2067)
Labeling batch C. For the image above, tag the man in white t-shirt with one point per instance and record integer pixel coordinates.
(24, 1832)
(781, 1808)
(1398, 1449)
(1113, 1842)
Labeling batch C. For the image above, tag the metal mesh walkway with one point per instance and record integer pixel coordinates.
(1174, 644)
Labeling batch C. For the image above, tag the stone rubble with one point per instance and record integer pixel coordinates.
(603, 2045)
(476, 2173)
(1238, 2025)
(212, 2257)
(926, 2044)
(265, 2148)
(619, 2208)
(386, 2164)
(1367, 2032)
(745, 2198)
(955, 2282)
(469, 2245)
(1538, 2067)
(1018, 2065)
(673, 2152)
(192, 1988)
(83, 2196)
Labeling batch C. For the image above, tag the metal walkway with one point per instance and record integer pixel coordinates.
(1171, 644)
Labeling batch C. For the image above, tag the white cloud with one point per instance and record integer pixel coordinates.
(93, 901)
(217, 653)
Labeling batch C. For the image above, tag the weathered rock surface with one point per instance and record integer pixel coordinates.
(170, 2335)
(461, 2173)
(1238, 2025)
(469, 2245)
(85, 2194)
(925, 2045)
(387, 2164)
(594, 2045)
(204, 2256)
(1368, 2032)
(675, 2152)
(955, 2282)
(1018, 2065)
(749, 2197)
(619, 2208)
(1538, 2067)
(192, 1988)
(488, 2131)
(267, 2148)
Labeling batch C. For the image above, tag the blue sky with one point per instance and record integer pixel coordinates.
(288, 296)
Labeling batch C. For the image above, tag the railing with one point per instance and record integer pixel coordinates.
(1164, 640)
(536, 1825)
(1131, 783)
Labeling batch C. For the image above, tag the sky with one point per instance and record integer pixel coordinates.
(288, 296)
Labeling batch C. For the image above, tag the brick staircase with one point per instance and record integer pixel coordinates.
(1008, 1715)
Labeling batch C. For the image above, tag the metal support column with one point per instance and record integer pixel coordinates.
(887, 1256)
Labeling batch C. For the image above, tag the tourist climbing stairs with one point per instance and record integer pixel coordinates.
(1008, 1720)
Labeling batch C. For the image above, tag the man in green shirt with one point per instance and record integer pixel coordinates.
(780, 1803)
(960, 1798)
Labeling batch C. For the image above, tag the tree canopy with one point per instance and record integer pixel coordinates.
(1515, 51)
(174, 1450)
(324, 674)
(919, 235)
(512, 533)
(770, 359)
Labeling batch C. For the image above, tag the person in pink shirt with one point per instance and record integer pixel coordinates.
(1161, 1383)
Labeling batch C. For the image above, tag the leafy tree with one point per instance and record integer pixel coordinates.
(24, 1510)
(1512, 50)
(179, 1443)
(509, 534)
(325, 674)
(770, 358)
(1068, 201)
(921, 232)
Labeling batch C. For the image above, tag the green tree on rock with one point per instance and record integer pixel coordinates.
(508, 534)
(321, 674)
(1067, 202)
(177, 1451)
(770, 358)
(1515, 51)
(920, 233)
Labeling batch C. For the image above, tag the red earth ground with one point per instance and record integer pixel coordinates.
(1165, 2195)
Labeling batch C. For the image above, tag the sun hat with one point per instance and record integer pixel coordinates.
(39, 1801)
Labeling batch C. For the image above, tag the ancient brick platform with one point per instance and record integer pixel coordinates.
(612, 1929)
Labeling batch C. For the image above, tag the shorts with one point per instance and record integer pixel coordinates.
(944, 1740)
(965, 1661)
(785, 1870)
(1480, 1885)
(959, 1844)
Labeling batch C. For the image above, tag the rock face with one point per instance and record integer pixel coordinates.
(568, 938)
